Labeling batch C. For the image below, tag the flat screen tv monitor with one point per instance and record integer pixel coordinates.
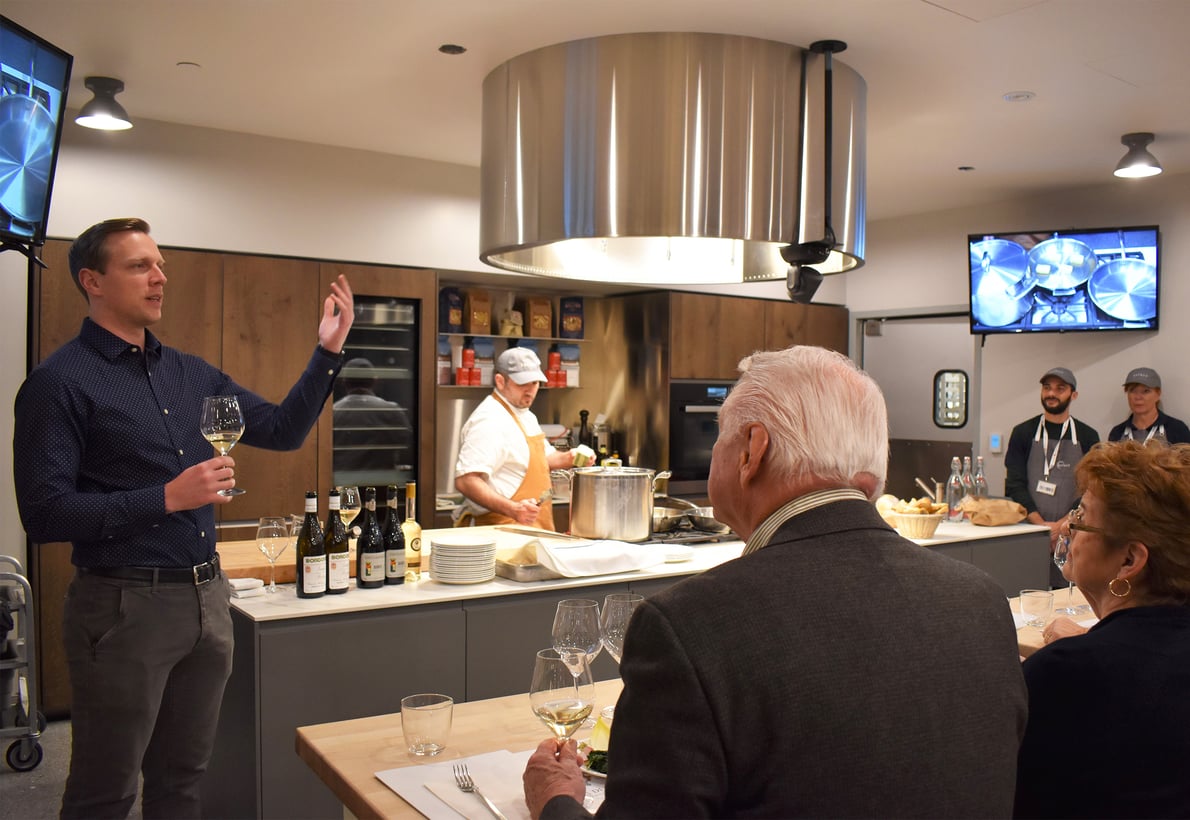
(34, 78)
(1096, 279)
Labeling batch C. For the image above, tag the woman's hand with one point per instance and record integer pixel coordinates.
(1060, 628)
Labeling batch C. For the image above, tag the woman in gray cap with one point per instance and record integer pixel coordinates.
(1148, 422)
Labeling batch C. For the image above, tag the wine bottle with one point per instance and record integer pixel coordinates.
(412, 532)
(338, 554)
(394, 541)
(369, 545)
(311, 553)
(584, 431)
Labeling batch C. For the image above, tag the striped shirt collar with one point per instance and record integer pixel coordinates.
(764, 533)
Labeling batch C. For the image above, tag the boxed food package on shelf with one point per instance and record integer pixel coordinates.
(538, 315)
(485, 360)
(570, 317)
(569, 365)
(477, 318)
(444, 366)
(450, 310)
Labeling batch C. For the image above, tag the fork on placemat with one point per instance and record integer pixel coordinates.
(465, 783)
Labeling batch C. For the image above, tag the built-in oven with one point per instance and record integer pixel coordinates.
(693, 428)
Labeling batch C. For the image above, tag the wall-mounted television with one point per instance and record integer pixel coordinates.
(34, 78)
(1065, 280)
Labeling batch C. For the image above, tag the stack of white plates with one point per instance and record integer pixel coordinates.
(462, 559)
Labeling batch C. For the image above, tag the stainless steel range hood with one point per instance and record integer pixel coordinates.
(672, 158)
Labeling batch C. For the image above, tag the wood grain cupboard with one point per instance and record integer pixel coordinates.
(708, 335)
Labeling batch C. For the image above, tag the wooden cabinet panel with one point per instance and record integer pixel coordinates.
(403, 283)
(787, 323)
(271, 309)
(710, 334)
(191, 315)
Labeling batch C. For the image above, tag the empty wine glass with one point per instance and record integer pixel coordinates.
(222, 424)
(272, 537)
(559, 697)
(617, 610)
(577, 635)
(1061, 554)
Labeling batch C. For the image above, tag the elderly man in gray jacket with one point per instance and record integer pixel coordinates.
(835, 669)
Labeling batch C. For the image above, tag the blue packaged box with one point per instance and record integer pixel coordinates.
(570, 317)
(450, 310)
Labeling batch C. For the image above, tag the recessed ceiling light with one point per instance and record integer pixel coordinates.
(187, 65)
(966, 167)
(1019, 96)
(451, 48)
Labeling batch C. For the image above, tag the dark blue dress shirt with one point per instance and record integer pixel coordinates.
(102, 426)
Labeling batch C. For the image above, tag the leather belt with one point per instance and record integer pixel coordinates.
(197, 575)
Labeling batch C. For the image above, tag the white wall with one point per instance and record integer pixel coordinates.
(921, 261)
(210, 189)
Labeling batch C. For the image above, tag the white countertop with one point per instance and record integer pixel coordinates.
(285, 604)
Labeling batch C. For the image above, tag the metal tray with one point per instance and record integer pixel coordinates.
(524, 572)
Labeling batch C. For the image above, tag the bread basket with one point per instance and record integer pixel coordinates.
(916, 525)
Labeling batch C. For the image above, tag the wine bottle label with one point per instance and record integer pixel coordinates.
(337, 571)
(394, 563)
(372, 567)
(314, 574)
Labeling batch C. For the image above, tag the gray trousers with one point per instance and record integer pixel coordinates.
(148, 664)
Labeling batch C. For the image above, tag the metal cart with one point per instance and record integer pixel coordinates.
(19, 716)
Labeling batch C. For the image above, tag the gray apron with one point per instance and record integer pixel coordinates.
(1061, 474)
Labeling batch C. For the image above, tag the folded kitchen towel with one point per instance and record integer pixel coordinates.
(248, 593)
(576, 559)
(245, 583)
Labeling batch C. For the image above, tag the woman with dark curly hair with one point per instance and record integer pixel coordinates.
(1109, 707)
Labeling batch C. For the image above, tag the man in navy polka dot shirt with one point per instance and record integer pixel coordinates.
(107, 455)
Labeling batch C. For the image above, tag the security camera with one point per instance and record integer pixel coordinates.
(802, 283)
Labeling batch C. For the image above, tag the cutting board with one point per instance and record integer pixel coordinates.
(243, 559)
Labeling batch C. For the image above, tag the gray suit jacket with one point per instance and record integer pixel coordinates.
(842, 671)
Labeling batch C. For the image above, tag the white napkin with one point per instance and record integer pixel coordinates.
(245, 583)
(575, 559)
(248, 593)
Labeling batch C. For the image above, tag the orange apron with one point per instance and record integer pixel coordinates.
(535, 483)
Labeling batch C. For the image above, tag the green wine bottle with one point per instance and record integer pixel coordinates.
(369, 545)
(338, 553)
(311, 553)
(394, 540)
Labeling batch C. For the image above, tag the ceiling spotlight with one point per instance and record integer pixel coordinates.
(103, 112)
(1138, 162)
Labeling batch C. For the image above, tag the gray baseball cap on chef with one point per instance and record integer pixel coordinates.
(1143, 375)
(521, 365)
(1062, 373)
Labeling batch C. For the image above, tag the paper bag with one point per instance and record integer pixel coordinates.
(993, 512)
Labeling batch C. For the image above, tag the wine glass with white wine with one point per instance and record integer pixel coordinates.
(561, 699)
(222, 424)
(272, 537)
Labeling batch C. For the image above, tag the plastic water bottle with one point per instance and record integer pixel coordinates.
(954, 491)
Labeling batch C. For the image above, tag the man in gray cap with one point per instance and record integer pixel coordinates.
(1147, 422)
(503, 469)
(1042, 453)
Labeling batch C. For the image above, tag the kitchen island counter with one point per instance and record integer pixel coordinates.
(307, 661)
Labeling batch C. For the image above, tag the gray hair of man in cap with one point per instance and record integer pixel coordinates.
(826, 419)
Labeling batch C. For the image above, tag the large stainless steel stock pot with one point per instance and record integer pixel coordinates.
(613, 502)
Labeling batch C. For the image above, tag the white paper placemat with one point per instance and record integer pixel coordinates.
(430, 787)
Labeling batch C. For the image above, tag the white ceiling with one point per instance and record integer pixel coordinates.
(367, 74)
